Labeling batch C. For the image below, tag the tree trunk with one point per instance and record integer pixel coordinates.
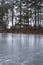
(12, 17)
(40, 14)
(38, 17)
(35, 16)
(27, 14)
(20, 14)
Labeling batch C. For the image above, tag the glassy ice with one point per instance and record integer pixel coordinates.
(21, 49)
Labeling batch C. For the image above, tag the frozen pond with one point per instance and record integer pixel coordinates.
(16, 49)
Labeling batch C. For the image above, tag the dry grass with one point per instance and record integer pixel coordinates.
(24, 30)
(27, 31)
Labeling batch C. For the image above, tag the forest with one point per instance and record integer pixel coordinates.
(21, 16)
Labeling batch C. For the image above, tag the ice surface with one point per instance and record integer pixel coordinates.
(21, 49)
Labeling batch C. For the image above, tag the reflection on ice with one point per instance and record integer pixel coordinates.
(21, 49)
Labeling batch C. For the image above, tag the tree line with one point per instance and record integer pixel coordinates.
(20, 12)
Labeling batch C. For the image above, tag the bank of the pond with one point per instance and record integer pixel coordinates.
(24, 30)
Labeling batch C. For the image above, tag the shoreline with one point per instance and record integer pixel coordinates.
(24, 31)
